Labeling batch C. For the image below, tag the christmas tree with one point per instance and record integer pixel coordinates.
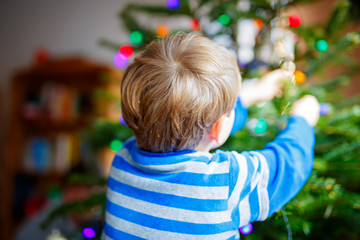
(265, 35)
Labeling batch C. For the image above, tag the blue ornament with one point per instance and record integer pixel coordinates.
(247, 229)
(173, 4)
(324, 108)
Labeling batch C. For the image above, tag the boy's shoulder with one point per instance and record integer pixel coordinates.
(194, 161)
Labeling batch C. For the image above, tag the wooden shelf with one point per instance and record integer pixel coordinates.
(73, 73)
(43, 126)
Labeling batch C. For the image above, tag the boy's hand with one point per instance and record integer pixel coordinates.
(307, 107)
(266, 89)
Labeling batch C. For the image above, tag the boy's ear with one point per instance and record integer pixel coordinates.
(216, 130)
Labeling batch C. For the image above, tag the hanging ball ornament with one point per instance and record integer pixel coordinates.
(289, 66)
(321, 45)
(173, 4)
(195, 25)
(136, 37)
(324, 109)
(120, 60)
(224, 19)
(294, 20)
(162, 31)
(247, 229)
(116, 145)
(127, 50)
(300, 77)
(88, 233)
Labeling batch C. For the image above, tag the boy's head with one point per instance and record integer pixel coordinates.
(176, 89)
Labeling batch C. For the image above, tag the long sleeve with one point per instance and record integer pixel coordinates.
(241, 114)
(265, 180)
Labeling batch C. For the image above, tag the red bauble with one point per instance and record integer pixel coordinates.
(294, 20)
(127, 50)
(195, 25)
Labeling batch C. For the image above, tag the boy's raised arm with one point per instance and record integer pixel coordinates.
(269, 178)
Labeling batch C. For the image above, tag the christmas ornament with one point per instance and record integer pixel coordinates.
(116, 145)
(259, 23)
(173, 4)
(88, 233)
(162, 31)
(300, 77)
(120, 60)
(127, 50)
(247, 229)
(41, 55)
(194, 25)
(55, 235)
(260, 127)
(289, 66)
(284, 46)
(136, 37)
(224, 19)
(294, 20)
(322, 45)
(324, 109)
(122, 121)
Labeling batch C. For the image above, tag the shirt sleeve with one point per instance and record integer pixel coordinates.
(241, 114)
(263, 181)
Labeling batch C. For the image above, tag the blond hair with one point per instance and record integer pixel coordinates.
(176, 89)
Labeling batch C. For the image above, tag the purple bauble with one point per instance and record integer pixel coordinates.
(324, 108)
(120, 60)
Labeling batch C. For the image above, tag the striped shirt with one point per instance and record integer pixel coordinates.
(198, 195)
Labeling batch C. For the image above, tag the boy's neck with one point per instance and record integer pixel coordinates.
(206, 144)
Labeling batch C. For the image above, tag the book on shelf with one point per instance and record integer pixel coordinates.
(56, 102)
(58, 154)
(60, 102)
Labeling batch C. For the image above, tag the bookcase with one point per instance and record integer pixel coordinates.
(50, 103)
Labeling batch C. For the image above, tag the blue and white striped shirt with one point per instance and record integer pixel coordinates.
(198, 195)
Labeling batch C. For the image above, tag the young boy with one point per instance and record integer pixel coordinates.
(180, 96)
